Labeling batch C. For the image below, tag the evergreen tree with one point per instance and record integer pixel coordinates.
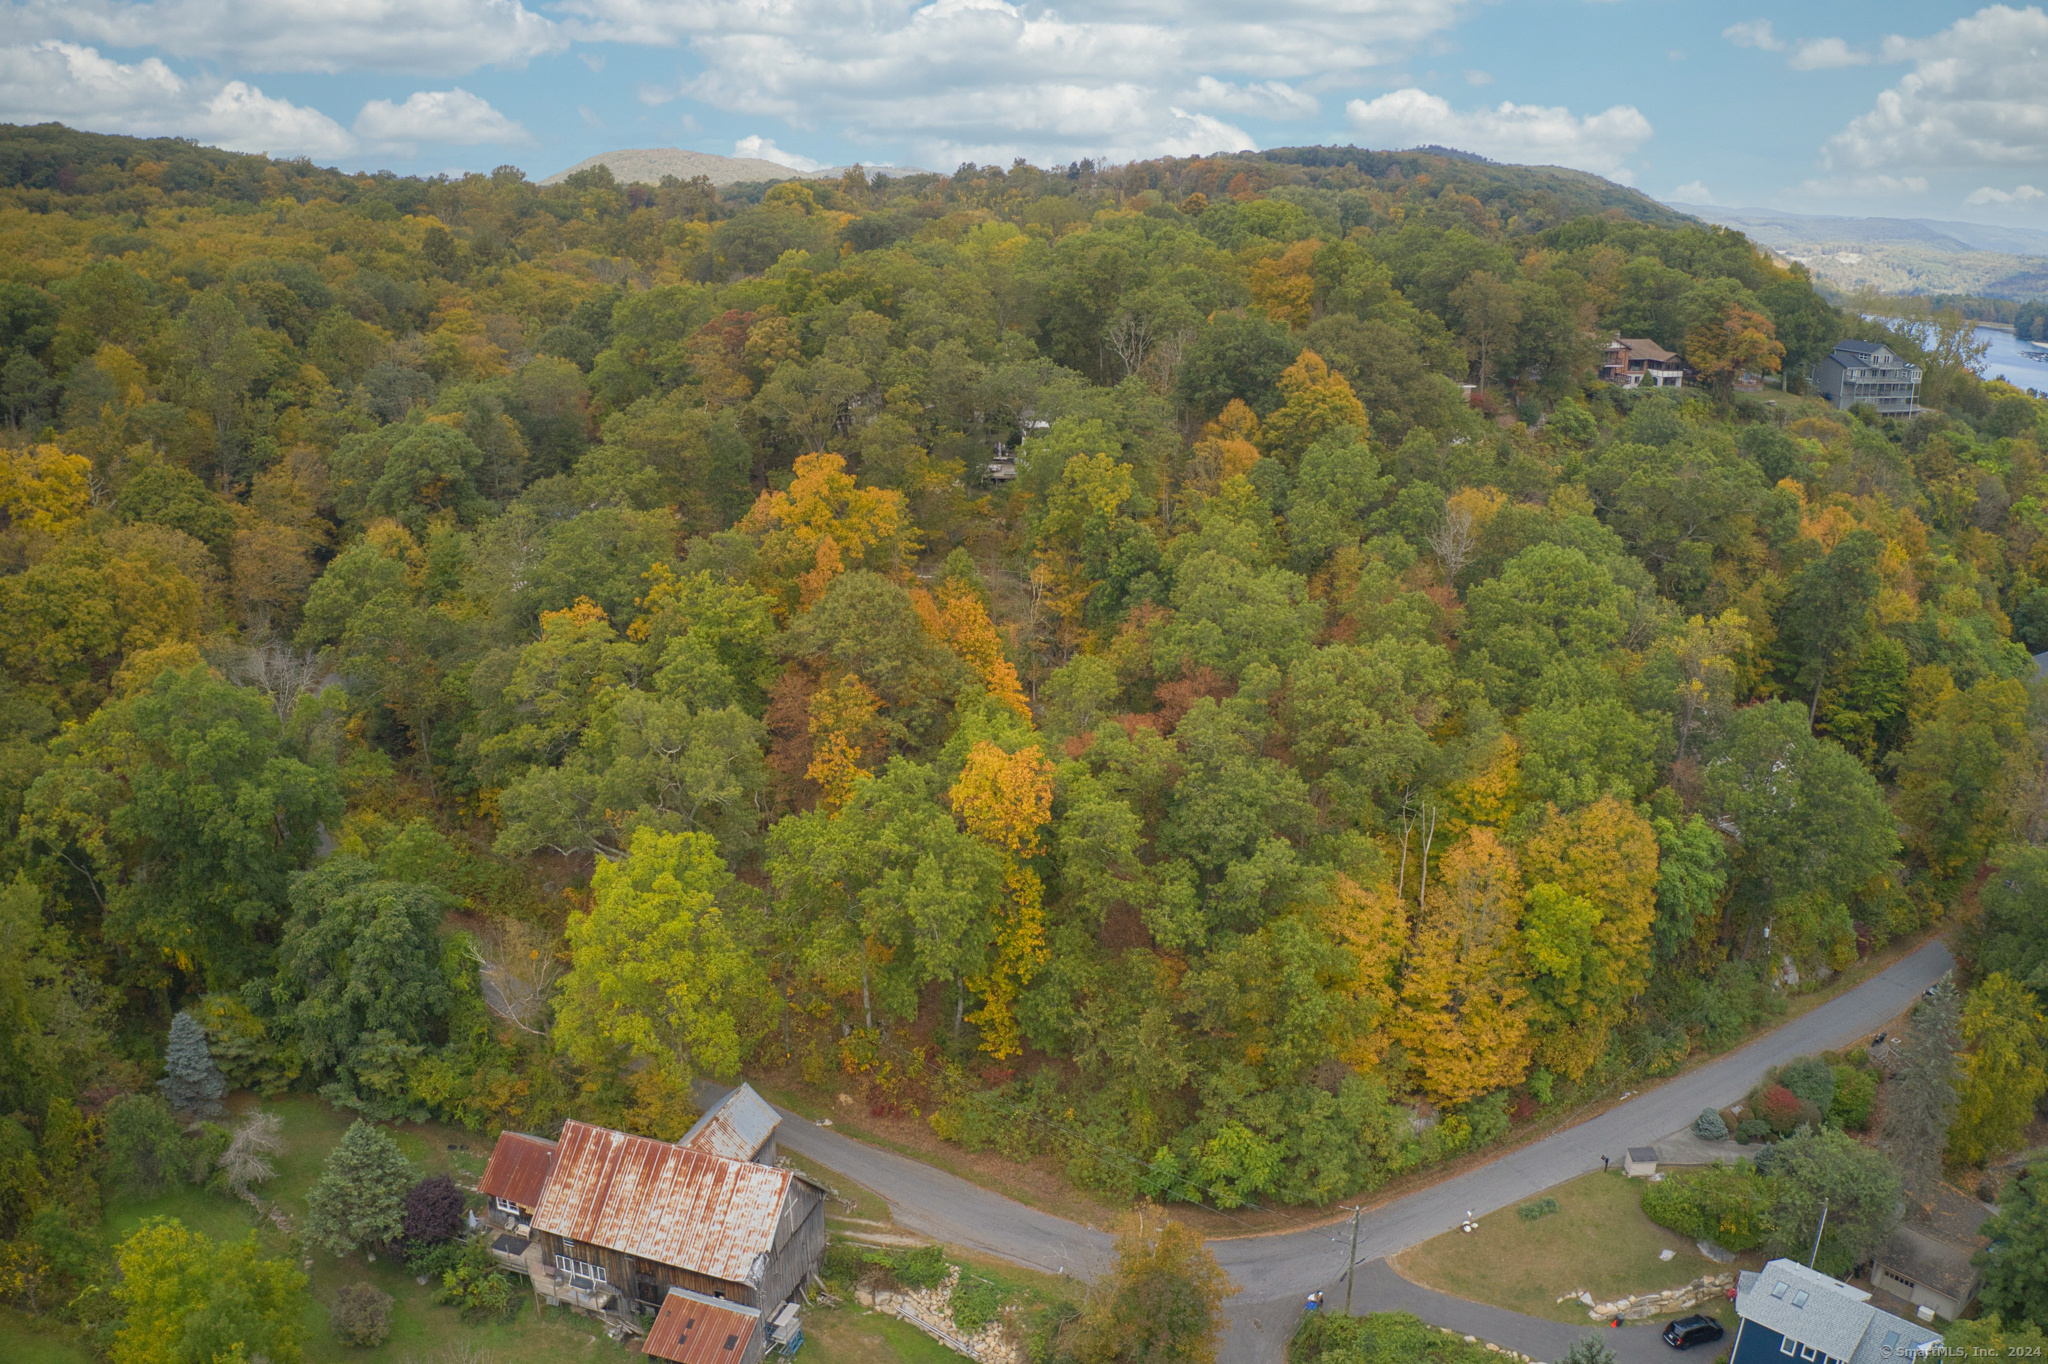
(360, 1199)
(2016, 1265)
(1922, 1102)
(192, 1082)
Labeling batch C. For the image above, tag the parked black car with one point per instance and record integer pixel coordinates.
(1687, 1332)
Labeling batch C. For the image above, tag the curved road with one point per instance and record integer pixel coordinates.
(1274, 1273)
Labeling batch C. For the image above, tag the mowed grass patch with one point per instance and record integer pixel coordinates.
(848, 1335)
(1598, 1241)
(24, 1341)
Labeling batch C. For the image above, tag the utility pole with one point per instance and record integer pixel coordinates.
(1816, 1235)
(1351, 1265)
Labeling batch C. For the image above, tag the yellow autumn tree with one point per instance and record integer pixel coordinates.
(44, 489)
(1228, 447)
(1464, 1013)
(958, 619)
(1586, 932)
(823, 526)
(1318, 402)
(1372, 926)
(1004, 799)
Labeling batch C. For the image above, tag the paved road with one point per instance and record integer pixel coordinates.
(1274, 1273)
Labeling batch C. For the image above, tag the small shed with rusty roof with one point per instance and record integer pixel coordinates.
(740, 1126)
(641, 1216)
(694, 1329)
(518, 1173)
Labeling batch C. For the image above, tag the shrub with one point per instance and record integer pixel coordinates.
(1709, 1127)
(1855, 1093)
(1542, 1207)
(975, 1302)
(145, 1150)
(433, 1210)
(1379, 1338)
(361, 1315)
(924, 1267)
(1588, 1350)
(433, 1259)
(1784, 1110)
(1489, 1118)
(1812, 1079)
(1723, 1204)
(1752, 1130)
(474, 1286)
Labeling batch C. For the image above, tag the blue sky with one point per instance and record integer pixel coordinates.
(1918, 110)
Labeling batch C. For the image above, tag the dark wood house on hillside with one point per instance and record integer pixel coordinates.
(628, 1218)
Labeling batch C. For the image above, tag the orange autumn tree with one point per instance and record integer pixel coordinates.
(1371, 925)
(959, 619)
(1227, 447)
(1284, 286)
(1004, 799)
(1735, 341)
(1464, 1013)
(847, 727)
(823, 526)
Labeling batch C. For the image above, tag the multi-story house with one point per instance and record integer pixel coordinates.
(1868, 374)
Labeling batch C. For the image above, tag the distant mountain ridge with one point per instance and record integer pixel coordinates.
(1898, 255)
(647, 166)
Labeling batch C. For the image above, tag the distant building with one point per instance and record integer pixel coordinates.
(1927, 1260)
(1791, 1313)
(1868, 374)
(1635, 362)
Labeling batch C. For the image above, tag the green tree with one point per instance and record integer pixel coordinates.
(359, 971)
(1858, 1185)
(53, 1013)
(184, 813)
(658, 974)
(2004, 1074)
(1924, 1084)
(2014, 931)
(1810, 827)
(145, 1147)
(1827, 613)
(192, 1083)
(359, 1199)
(1954, 774)
(1162, 1301)
(187, 1299)
(2016, 1262)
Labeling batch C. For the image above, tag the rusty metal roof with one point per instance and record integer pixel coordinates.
(664, 1202)
(694, 1329)
(735, 1127)
(519, 1169)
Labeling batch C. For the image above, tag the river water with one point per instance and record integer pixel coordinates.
(2007, 360)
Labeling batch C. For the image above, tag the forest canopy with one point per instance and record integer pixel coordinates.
(1183, 667)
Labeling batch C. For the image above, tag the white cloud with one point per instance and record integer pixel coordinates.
(990, 79)
(442, 37)
(1755, 33)
(1478, 78)
(1523, 133)
(1976, 97)
(1988, 195)
(762, 149)
(1867, 186)
(590, 117)
(1825, 54)
(1694, 193)
(1267, 99)
(453, 118)
(54, 80)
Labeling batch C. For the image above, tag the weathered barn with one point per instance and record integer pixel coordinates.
(635, 1217)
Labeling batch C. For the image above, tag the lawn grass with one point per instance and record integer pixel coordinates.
(25, 1340)
(420, 1329)
(849, 1335)
(1597, 1241)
